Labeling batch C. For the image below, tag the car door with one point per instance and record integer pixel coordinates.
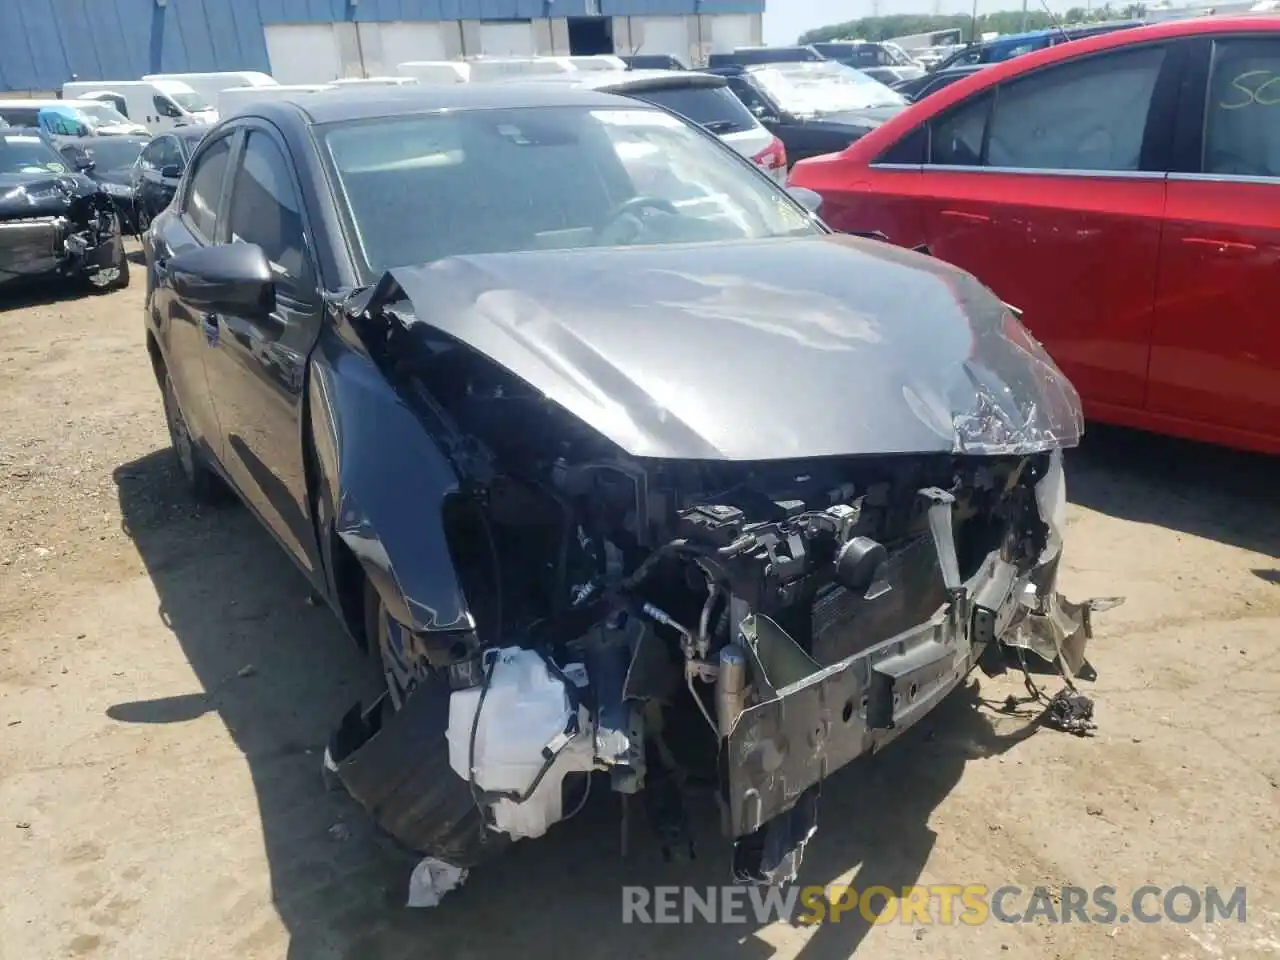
(184, 335)
(153, 190)
(257, 367)
(801, 140)
(1215, 354)
(1049, 187)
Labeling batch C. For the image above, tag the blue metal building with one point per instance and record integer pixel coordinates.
(46, 42)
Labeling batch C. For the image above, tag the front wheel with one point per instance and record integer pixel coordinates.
(404, 667)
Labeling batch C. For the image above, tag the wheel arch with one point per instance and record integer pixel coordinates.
(379, 486)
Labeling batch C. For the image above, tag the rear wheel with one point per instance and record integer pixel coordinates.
(201, 482)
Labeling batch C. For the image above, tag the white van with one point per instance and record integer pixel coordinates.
(375, 82)
(484, 69)
(597, 61)
(159, 105)
(209, 85)
(435, 71)
(236, 99)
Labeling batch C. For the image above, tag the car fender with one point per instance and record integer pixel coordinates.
(382, 482)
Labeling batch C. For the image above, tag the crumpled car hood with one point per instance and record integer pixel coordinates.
(756, 350)
(40, 195)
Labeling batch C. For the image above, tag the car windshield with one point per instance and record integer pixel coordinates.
(192, 102)
(421, 188)
(100, 114)
(816, 89)
(114, 153)
(25, 153)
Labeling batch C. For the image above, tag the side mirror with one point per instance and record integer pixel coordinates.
(809, 199)
(231, 278)
(762, 113)
(83, 162)
(171, 172)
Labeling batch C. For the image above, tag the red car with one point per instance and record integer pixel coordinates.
(1124, 192)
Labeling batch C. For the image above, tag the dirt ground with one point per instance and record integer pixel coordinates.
(165, 692)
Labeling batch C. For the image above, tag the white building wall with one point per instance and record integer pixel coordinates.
(322, 52)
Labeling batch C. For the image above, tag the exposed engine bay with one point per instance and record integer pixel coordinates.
(60, 227)
(660, 624)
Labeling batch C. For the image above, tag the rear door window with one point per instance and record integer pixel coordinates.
(1242, 116)
(1088, 114)
(21, 117)
(715, 108)
(956, 137)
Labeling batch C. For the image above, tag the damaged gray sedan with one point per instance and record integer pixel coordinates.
(627, 470)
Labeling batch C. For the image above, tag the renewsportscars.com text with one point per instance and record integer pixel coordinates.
(945, 904)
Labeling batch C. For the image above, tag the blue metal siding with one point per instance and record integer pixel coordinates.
(44, 42)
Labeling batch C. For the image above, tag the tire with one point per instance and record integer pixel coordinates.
(402, 672)
(201, 482)
(122, 264)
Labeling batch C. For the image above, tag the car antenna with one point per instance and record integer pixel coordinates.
(1053, 19)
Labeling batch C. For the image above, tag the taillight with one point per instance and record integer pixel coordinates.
(773, 160)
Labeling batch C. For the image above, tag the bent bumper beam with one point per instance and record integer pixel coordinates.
(811, 722)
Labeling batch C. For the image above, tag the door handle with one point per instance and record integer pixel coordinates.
(1221, 246)
(965, 215)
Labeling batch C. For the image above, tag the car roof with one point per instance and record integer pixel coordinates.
(620, 81)
(893, 129)
(359, 103)
(97, 141)
(191, 132)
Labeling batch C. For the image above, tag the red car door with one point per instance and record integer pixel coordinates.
(1215, 358)
(1047, 183)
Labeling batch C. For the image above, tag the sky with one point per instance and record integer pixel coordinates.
(784, 20)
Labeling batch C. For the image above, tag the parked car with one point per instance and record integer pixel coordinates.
(104, 120)
(159, 105)
(886, 62)
(55, 223)
(1016, 44)
(919, 88)
(109, 161)
(701, 97)
(745, 56)
(158, 169)
(1124, 191)
(813, 108)
(655, 61)
(571, 441)
(68, 117)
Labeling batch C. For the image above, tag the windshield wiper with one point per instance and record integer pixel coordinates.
(720, 126)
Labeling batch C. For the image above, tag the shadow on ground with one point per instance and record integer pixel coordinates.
(1194, 488)
(233, 601)
(43, 293)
